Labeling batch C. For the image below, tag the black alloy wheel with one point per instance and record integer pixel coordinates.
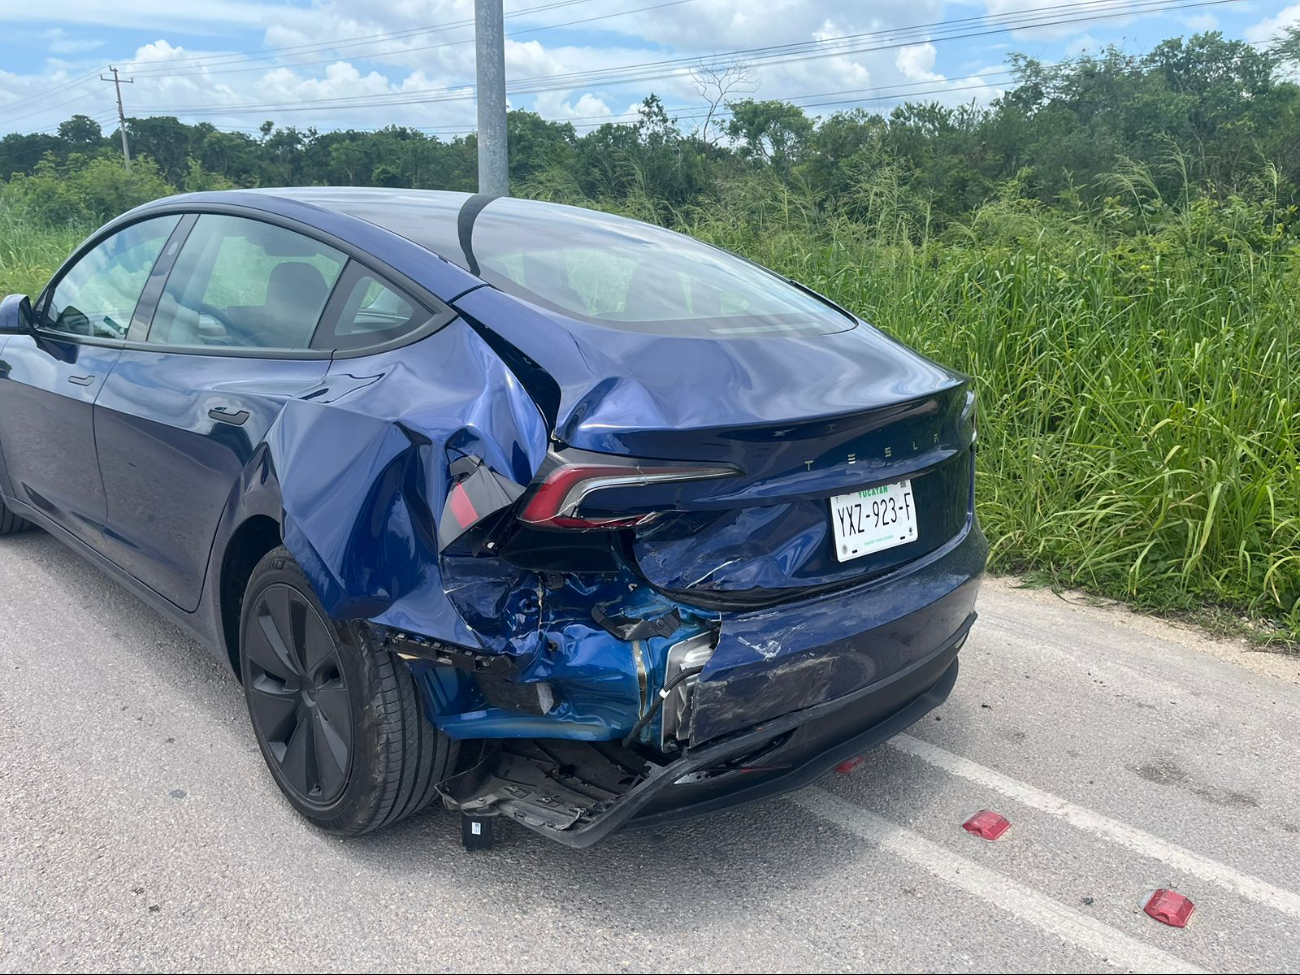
(298, 695)
(341, 721)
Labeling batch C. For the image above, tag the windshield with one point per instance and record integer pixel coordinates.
(631, 275)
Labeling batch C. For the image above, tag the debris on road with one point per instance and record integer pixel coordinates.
(1169, 907)
(987, 824)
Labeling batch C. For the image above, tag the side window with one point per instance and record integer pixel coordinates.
(98, 295)
(241, 283)
(371, 312)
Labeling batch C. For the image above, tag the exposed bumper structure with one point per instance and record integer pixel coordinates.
(579, 792)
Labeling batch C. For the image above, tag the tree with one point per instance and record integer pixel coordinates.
(716, 82)
(536, 144)
(770, 131)
(164, 139)
(23, 153)
(348, 160)
(81, 133)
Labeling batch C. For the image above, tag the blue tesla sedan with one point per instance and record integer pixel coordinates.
(538, 511)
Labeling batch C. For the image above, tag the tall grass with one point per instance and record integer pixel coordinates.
(30, 253)
(1137, 373)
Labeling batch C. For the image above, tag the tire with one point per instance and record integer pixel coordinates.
(10, 523)
(337, 718)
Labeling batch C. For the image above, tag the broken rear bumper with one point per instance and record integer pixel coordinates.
(579, 792)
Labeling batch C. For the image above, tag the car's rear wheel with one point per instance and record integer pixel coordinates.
(337, 718)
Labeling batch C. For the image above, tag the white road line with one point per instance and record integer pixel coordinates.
(1024, 903)
(1135, 839)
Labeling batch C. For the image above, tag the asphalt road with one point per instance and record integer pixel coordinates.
(139, 829)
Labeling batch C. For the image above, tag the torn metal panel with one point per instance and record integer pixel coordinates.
(597, 681)
(579, 794)
(364, 464)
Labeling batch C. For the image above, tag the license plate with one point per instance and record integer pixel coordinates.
(873, 519)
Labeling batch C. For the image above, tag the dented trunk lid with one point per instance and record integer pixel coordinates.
(768, 535)
(801, 418)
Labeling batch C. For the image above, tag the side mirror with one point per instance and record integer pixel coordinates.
(16, 315)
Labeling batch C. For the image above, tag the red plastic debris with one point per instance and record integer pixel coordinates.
(849, 764)
(1169, 907)
(462, 508)
(987, 824)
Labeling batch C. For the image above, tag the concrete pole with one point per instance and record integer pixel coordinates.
(490, 68)
(121, 115)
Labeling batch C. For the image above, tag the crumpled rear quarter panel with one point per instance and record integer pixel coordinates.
(363, 467)
(363, 464)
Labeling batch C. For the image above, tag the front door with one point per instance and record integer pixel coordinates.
(179, 420)
(49, 380)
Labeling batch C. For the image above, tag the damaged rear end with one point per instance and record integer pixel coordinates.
(765, 649)
(720, 537)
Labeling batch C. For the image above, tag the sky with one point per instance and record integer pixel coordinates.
(365, 64)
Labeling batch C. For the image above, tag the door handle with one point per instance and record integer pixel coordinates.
(237, 417)
(81, 380)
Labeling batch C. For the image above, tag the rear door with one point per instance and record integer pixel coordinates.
(49, 381)
(183, 411)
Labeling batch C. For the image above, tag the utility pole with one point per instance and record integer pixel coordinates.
(490, 69)
(121, 115)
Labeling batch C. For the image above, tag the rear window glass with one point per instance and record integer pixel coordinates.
(370, 313)
(372, 307)
(634, 276)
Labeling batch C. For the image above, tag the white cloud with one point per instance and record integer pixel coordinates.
(587, 108)
(58, 41)
(917, 62)
(1272, 27)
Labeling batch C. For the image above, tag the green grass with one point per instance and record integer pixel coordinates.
(30, 254)
(1139, 426)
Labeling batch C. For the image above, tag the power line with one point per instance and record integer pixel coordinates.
(884, 92)
(52, 108)
(776, 54)
(661, 69)
(101, 118)
(57, 89)
(832, 47)
(234, 57)
(338, 44)
(755, 53)
(411, 50)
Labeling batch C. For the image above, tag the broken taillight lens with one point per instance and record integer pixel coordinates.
(555, 501)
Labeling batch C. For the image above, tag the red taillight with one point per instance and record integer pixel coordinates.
(555, 501)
